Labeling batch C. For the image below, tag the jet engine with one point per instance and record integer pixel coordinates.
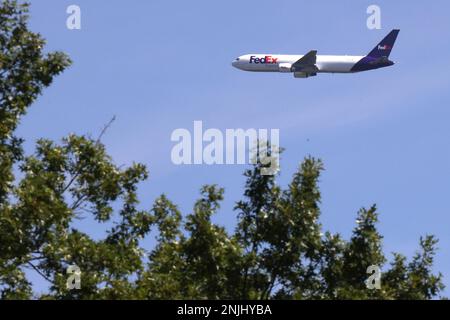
(285, 67)
(304, 74)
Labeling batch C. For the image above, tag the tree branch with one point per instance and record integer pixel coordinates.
(40, 272)
(105, 128)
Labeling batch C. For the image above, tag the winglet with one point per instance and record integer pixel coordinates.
(383, 49)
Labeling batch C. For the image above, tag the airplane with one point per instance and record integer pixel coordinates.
(311, 64)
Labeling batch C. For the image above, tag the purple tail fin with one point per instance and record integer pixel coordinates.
(383, 49)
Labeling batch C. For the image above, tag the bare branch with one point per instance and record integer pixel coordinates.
(75, 176)
(40, 272)
(105, 128)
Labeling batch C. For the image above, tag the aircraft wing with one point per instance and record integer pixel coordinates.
(307, 63)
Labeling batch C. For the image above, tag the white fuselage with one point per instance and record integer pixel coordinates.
(275, 62)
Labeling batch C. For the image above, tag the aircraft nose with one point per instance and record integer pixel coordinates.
(235, 63)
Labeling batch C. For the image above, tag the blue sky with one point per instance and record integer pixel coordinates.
(159, 65)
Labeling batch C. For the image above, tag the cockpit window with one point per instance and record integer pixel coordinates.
(237, 59)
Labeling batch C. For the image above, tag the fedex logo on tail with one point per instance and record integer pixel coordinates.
(385, 47)
(265, 60)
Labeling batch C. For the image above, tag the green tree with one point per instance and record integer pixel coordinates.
(277, 251)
